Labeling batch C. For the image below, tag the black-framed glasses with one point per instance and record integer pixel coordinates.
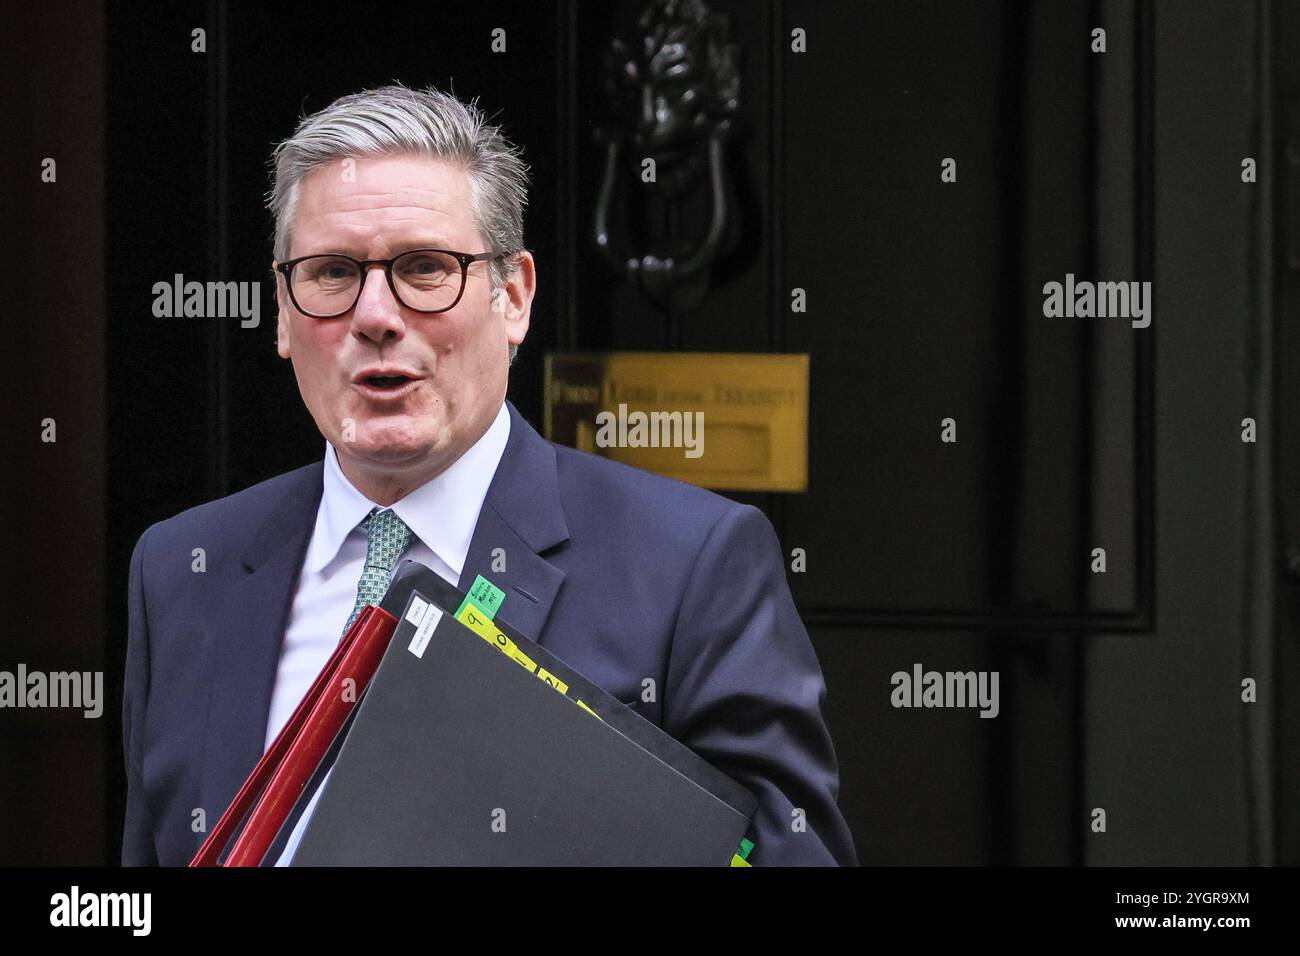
(426, 280)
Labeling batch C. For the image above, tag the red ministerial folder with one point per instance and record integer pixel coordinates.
(300, 745)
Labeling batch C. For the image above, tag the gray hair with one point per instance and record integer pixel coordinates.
(395, 120)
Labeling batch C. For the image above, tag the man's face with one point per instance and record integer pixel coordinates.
(457, 361)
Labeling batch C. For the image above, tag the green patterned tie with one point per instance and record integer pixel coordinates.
(386, 538)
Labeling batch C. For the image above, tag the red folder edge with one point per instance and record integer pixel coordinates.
(297, 751)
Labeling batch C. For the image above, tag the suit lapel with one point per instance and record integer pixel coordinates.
(522, 516)
(246, 639)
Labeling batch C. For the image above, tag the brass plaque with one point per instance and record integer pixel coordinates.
(734, 421)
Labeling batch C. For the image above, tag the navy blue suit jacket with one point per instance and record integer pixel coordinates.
(634, 576)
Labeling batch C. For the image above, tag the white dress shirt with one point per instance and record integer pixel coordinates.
(441, 514)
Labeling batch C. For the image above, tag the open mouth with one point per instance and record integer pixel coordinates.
(387, 381)
(393, 386)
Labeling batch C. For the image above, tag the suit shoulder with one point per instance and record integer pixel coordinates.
(619, 493)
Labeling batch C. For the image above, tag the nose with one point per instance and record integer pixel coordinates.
(377, 316)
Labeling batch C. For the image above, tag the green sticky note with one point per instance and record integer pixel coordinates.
(484, 595)
(745, 847)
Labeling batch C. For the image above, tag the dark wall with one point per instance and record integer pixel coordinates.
(54, 782)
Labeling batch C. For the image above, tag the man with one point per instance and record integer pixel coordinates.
(403, 291)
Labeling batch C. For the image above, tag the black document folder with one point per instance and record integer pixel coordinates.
(459, 756)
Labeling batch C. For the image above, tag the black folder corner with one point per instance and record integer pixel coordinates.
(458, 756)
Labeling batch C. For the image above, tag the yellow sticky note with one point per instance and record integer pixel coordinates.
(499, 640)
(472, 618)
(475, 620)
(554, 681)
(590, 711)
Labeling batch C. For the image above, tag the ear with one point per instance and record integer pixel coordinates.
(516, 298)
(282, 314)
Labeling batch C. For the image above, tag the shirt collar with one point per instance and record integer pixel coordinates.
(441, 513)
